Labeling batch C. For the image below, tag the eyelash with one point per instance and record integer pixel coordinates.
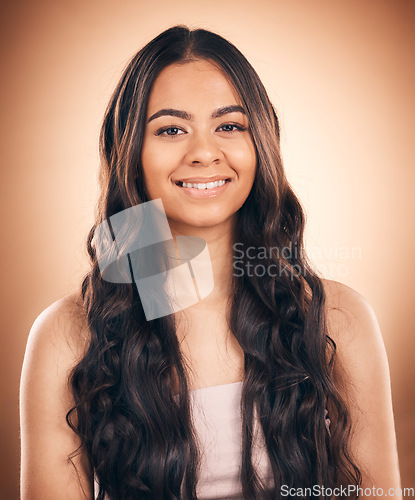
(237, 127)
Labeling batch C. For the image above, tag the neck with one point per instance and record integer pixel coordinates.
(220, 240)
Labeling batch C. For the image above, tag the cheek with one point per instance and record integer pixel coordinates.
(244, 161)
(158, 165)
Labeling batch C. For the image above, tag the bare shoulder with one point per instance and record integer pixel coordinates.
(62, 325)
(362, 371)
(65, 314)
(56, 342)
(346, 306)
(353, 325)
(352, 322)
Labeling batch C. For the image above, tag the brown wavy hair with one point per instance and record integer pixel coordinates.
(138, 438)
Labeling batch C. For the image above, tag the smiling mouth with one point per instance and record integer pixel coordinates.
(203, 185)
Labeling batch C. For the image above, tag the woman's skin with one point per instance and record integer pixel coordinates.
(196, 147)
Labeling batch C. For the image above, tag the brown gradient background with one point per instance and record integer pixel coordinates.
(341, 75)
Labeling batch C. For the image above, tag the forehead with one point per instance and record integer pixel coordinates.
(193, 84)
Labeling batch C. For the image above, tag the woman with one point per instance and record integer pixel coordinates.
(108, 393)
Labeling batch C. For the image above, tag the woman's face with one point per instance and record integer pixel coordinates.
(198, 155)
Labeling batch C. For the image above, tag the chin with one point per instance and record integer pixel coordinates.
(203, 221)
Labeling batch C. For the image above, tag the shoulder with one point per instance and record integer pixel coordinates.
(361, 371)
(352, 323)
(62, 325)
(353, 326)
(345, 305)
(56, 343)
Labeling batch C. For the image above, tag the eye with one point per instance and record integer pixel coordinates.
(170, 131)
(231, 127)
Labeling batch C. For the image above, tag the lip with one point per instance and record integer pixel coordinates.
(203, 193)
(200, 180)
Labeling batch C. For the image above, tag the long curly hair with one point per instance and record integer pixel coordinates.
(138, 437)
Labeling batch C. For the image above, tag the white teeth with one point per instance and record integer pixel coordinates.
(202, 185)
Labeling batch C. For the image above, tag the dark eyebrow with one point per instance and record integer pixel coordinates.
(186, 116)
(228, 109)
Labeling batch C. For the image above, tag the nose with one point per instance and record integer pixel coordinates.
(203, 151)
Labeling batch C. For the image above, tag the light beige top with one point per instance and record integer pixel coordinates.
(217, 420)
